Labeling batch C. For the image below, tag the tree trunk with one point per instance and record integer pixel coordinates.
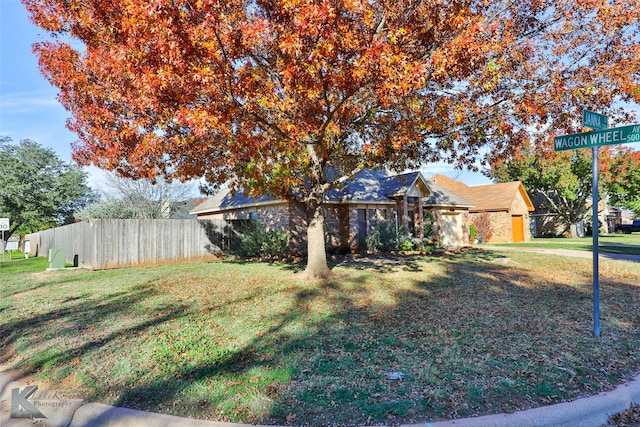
(573, 231)
(317, 266)
(316, 251)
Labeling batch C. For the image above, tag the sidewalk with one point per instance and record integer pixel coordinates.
(562, 252)
(60, 411)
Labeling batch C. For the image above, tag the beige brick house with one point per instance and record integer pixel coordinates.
(507, 204)
(351, 211)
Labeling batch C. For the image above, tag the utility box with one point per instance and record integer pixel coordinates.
(56, 258)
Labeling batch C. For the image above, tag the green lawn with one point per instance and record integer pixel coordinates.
(473, 333)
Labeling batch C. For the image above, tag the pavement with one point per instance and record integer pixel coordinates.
(18, 401)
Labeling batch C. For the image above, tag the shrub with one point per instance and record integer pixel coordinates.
(258, 242)
(373, 241)
(384, 237)
(407, 245)
(472, 233)
(482, 224)
(429, 224)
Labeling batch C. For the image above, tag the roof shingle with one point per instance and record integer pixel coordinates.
(490, 197)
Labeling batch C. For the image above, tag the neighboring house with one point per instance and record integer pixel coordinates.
(507, 205)
(351, 211)
(546, 223)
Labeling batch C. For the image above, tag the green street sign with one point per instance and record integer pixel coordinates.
(594, 121)
(619, 135)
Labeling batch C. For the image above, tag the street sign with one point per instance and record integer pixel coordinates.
(619, 135)
(599, 137)
(594, 121)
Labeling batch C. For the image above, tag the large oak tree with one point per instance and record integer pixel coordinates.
(37, 189)
(272, 94)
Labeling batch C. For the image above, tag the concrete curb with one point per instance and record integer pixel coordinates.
(591, 411)
(100, 415)
(61, 411)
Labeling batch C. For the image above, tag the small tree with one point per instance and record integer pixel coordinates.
(483, 227)
(110, 208)
(620, 177)
(137, 198)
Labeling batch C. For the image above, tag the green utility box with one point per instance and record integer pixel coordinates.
(56, 258)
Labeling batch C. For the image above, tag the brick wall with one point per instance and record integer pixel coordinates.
(500, 224)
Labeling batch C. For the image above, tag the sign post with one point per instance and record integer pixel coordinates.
(600, 136)
(4, 226)
(595, 230)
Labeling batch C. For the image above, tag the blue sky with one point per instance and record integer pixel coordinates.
(28, 105)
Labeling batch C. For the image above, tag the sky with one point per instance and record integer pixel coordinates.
(29, 109)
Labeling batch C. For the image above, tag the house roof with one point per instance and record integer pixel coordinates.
(225, 199)
(369, 186)
(490, 197)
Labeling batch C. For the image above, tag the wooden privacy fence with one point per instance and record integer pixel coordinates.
(110, 243)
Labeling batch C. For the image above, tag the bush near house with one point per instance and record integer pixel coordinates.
(258, 242)
(472, 233)
(384, 237)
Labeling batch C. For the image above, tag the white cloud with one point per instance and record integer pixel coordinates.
(28, 102)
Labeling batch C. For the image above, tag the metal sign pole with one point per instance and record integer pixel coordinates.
(595, 227)
(5, 225)
(601, 135)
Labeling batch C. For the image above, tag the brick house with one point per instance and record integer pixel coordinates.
(351, 211)
(507, 204)
(549, 224)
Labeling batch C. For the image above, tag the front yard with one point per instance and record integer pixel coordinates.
(472, 333)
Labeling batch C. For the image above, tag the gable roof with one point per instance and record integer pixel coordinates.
(369, 186)
(225, 199)
(489, 197)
